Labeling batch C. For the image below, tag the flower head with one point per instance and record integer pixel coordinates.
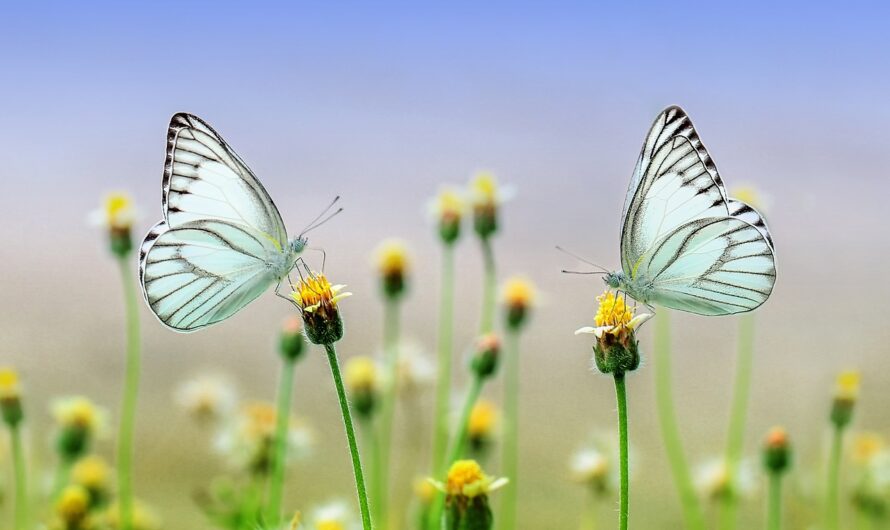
(117, 215)
(714, 481)
(291, 342)
(466, 489)
(144, 518)
(865, 446)
(591, 467)
(331, 516)
(482, 424)
(73, 506)
(485, 359)
(616, 349)
(79, 421)
(207, 397)
(519, 297)
(845, 395)
(486, 197)
(776, 450)
(392, 263)
(448, 209)
(414, 370)
(10, 397)
(250, 440)
(92, 473)
(318, 301)
(361, 378)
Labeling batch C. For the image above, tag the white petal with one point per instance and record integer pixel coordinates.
(638, 320)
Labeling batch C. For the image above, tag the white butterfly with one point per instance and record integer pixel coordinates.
(222, 242)
(684, 243)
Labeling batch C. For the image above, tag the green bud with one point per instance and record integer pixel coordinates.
(485, 361)
(73, 442)
(11, 408)
(777, 451)
(842, 412)
(291, 343)
(617, 352)
(323, 327)
(120, 242)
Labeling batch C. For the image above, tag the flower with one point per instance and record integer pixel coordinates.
(486, 197)
(776, 450)
(424, 490)
(92, 473)
(249, 440)
(485, 359)
(144, 518)
(361, 378)
(751, 196)
(414, 369)
(448, 209)
(117, 215)
(590, 466)
(865, 446)
(331, 516)
(10, 397)
(481, 424)
(519, 296)
(317, 300)
(79, 421)
(616, 349)
(714, 481)
(207, 397)
(392, 263)
(466, 495)
(846, 393)
(291, 342)
(73, 506)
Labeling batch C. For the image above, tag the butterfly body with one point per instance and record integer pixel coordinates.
(222, 242)
(685, 244)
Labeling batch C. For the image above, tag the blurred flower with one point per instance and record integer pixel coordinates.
(10, 397)
(79, 422)
(207, 397)
(392, 262)
(93, 474)
(616, 348)
(424, 490)
(865, 446)
(73, 506)
(331, 516)
(846, 393)
(414, 370)
(144, 518)
(777, 450)
(466, 489)
(448, 209)
(595, 464)
(519, 297)
(751, 196)
(291, 342)
(317, 300)
(486, 356)
(486, 197)
(713, 480)
(482, 423)
(117, 215)
(249, 440)
(361, 379)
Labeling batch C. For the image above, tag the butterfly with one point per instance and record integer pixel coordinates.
(222, 242)
(685, 244)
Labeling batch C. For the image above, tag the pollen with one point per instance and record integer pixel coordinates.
(613, 311)
(316, 291)
(118, 209)
(519, 292)
(392, 258)
(463, 474)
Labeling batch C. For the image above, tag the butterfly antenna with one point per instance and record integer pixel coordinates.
(316, 224)
(583, 260)
(564, 271)
(321, 214)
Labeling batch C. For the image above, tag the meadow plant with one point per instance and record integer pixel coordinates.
(466, 489)
(845, 396)
(13, 415)
(776, 461)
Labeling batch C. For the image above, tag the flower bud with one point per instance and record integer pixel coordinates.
(519, 295)
(10, 397)
(291, 342)
(486, 198)
(616, 349)
(117, 215)
(481, 425)
(845, 396)
(776, 451)
(466, 501)
(73, 506)
(318, 301)
(392, 264)
(360, 377)
(485, 360)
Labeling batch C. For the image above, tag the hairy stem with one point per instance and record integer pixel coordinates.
(130, 397)
(444, 361)
(285, 397)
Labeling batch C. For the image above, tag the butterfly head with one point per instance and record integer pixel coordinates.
(614, 280)
(298, 243)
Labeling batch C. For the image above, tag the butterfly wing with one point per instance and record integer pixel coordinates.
(203, 271)
(205, 179)
(681, 234)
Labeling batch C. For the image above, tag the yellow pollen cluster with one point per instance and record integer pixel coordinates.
(462, 474)
(449, 204)
(329, 525)
(259, 419)
(482, 419)
(118, 210)
(9, 384)
(392, 258)
(847, 388)
(73, 504)
(613, 311)
(316, 291)
(91, 473)
(484, 188)
(519, 292)
(361, 373)
(77, 412)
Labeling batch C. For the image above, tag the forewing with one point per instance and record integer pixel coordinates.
(205, 179)
(202, 272)
(747, 213)
(715, 266)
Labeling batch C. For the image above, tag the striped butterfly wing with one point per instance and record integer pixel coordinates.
(676, 188)
(205, 179)
(712, 266)
(203, 271)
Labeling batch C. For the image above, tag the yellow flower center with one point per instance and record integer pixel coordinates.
(329, 525)
(392, 258)
(866, 446)
(449, 204)
(462, 474)
(77, 412)
(361, 373)
(482, 419)
(848, 385)
(91, 472)
(613, 311)
(118, 208)
(9, 383)
(259, 419)
(73, 503)
(314, 291)
(518, 292)
(484, 188)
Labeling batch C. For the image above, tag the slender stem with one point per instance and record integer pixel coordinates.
(457, 448)
(832, 515)
(774, 511)
(488, 289)
(63, 471)
(510, 455)
(387, 413)
(131, 393)
(735, 439)
(360, 489)
(373, 442)
(621, 398)
(445, 363)
(21, 480)
(285, 397)
(670, 434)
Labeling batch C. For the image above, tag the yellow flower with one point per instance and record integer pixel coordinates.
(117, 212)
(10, 387)
(73, 504)
(483, 419)
(749, 195)
(79, 412)
(91, 472)
(866, 446)
(331, 516)
(519, 296)
(449, 205)
(616, 349)
(466, 479)
(360, 374)
(424, 490)
(484, 190)
(613, 311)
(248, 440)
(144, 518)
(392, 257)
(317, 300)
(847, 386)
(207, 397)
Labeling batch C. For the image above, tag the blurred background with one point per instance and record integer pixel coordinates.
(383, 102)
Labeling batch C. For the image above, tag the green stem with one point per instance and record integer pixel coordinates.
(63, 471)
(692, 512)
(376, 464)
(774, 511)
(131, 393)
(387, 413)
(588, 518)
(445, 363)
(282, 416)
(21, 480)
(736, 436)
(621, 398)
(457, 448)
(510, 455)
(360, 489)
(488, 288)
(832, 515)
